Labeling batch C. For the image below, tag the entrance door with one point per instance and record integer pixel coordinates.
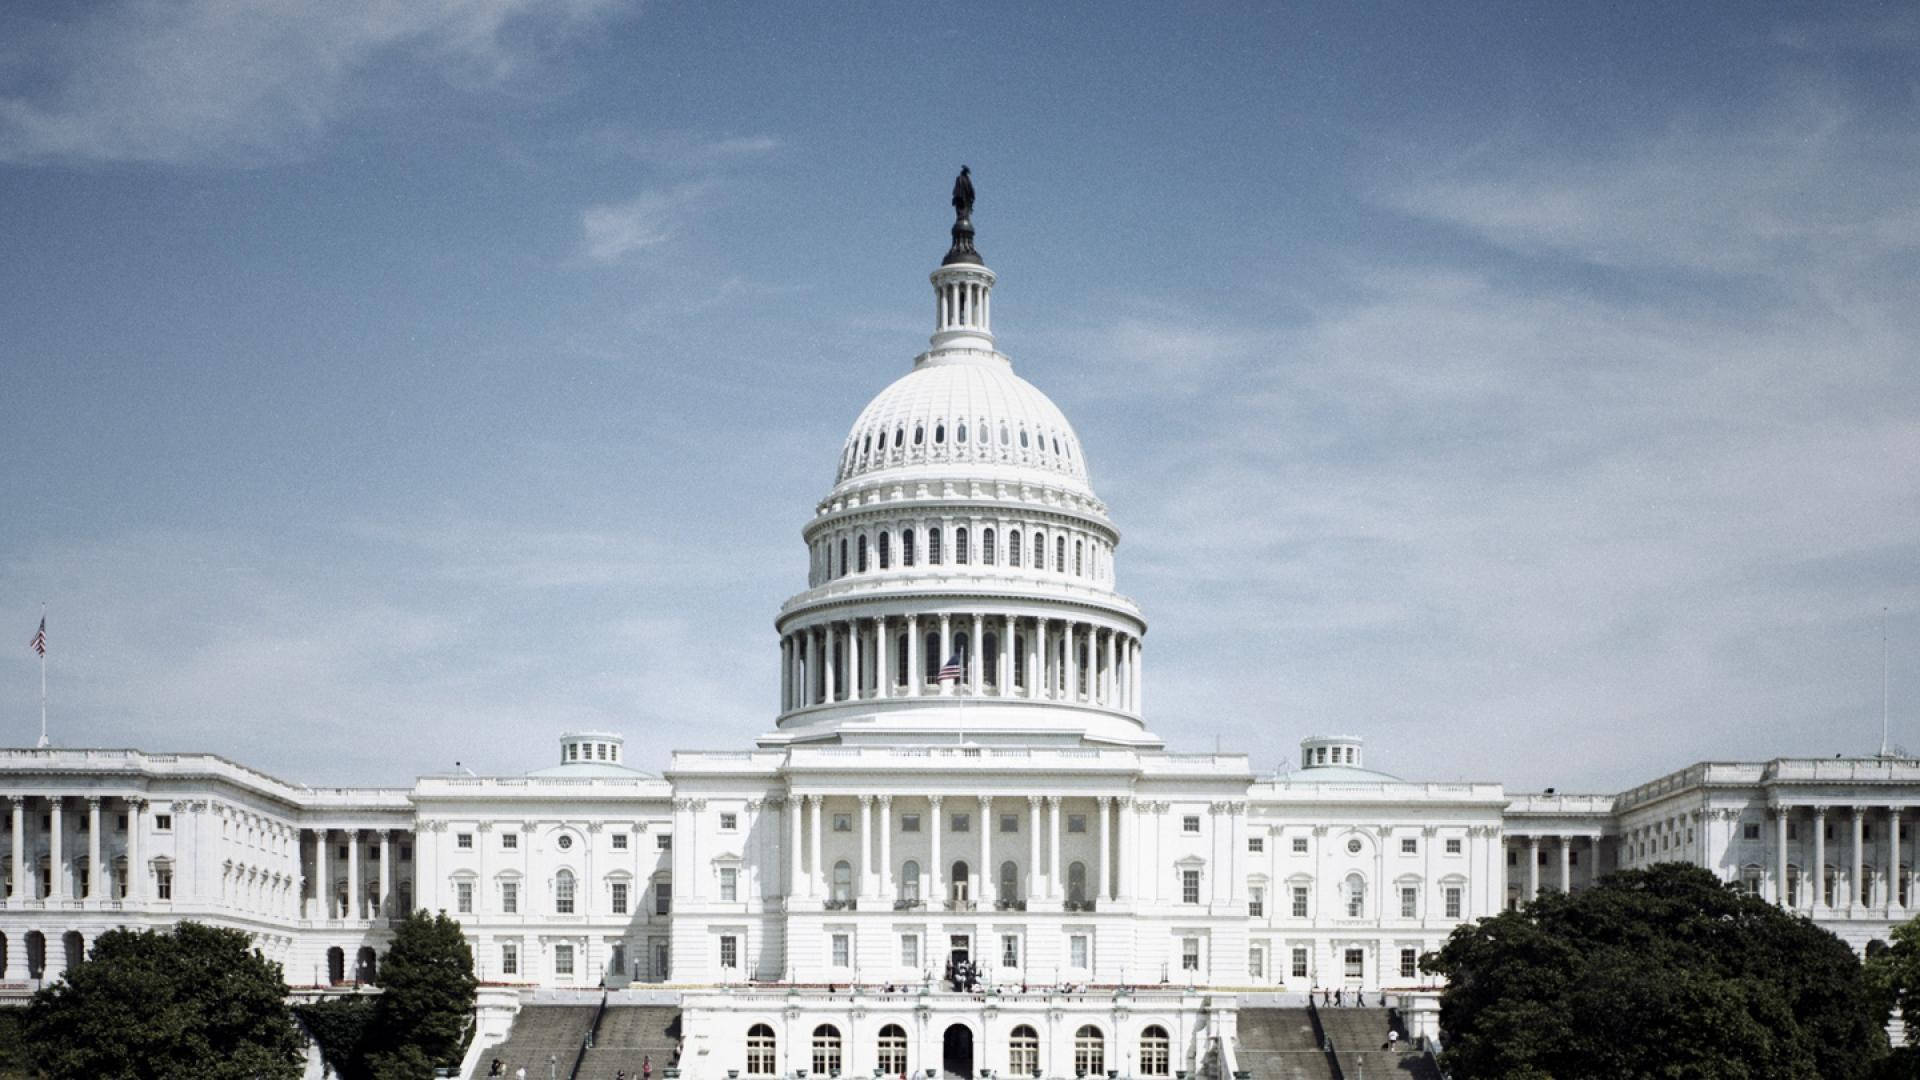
(956, 1052)
(958, 949)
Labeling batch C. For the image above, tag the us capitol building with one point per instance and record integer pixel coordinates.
(960, 775)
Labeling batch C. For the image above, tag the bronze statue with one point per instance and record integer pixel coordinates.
(963, 195)
(962, 250)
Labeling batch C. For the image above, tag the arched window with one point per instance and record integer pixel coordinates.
(1023, 438)
(336, 965)
(893, 1050)
(987, 552)
(843, 557)
(1356, 890)
(1081, 666)
(939, 434)
(1039, 551)
(1089, 1051)
(960, 552)
(842, 880)
(563, 893)
(958, 883)
(761, 1047)
(1020, 661)
(1156, 1051)
(906, 548)
(1009, 882)
(910, 882)
(866, 447)
(861, 551)
(1003, 434)
(930, 658)
(826, 1050)
(883, 444)
(933, 547)
(1077, 883)
(1059, 554)
(1079, 557)
(901, 675)
(1023, 1051)
(899, 437)
(990, 658)
(919, 434)
(886, 551)
(1013, 548)
(960, 432)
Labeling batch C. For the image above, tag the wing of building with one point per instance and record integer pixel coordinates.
(960, 845)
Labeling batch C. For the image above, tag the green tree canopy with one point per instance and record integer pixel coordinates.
(1663, 972)
(426, 1001)
(193, 1003)
(1894, 974)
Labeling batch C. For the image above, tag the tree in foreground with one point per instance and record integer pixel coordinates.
(1663, 972)
(193, 1003)
(426, 1002)
(1893, 972)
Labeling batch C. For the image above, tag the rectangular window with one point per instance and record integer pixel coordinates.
(1299, 901)
(1189, 886)
(163, 884)
(1190, 823)
(1010, 950)
(1256, 844)
(1409, 963)
(1356, 963)
(1453, 901)
(662, 897)
(1009, 823)
(1573, 858)
(729, 822)
(729, 883)
(619, 898)
(909, 950)
(1453, 845)
(509, 959)
(842, 950)
(1513, 857)
(962, 823)
(729, 951)
(1409, 846)
(843, 823)
(909, 822)
(1257, 962)
(563, 960)
(1299, 845)
(1190, 954)
(619, 841)
(163, 823)
(510, 897)
(463, 897)
(1409, 901)
(1256, 901)
(406, 852)
(663, 841)
(120, 823)
(1299, 962)
(1077, 951)
(1750, 831)
(510, 840)
(1076, 823)
(463, 841)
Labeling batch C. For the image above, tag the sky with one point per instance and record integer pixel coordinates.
(1530, 390)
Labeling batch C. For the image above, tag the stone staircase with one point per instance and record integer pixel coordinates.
(539, 1031)
(1278, 1044)
(1357, 1035)
(630, 1035)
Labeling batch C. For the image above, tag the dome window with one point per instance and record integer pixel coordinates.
(987, 552)
(939, 434)
(886, 549)
(960, 545)
(1023, 438)
(883, 442)
(1003, 434)
(867, 449)
(1013, 548)
(1056, 444)
(899, 437)
(933, 547)
(960, 432)
(919, 434)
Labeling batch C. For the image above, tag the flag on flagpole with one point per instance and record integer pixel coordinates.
(951, 669)
(39, 642)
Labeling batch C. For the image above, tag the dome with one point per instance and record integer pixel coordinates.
(968, 411)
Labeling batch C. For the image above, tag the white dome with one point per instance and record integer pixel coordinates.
(966, 410)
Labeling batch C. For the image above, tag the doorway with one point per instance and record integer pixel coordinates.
(956, 1052)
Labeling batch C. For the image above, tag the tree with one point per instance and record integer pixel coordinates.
(1663, 972)
(1893, 973)
(193, 1003)
(425, 1009)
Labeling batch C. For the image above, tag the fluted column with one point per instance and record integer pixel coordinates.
(1034, 879)
(21, 890)
(1856, 893)
(136, 875)
(1819, 858)
(937, 873)
(856, 671)
(916, 683)
(882, 659)
(1566, 867)
(796, 862)
(354, 908)
(984, 873)
(1779, 856)
(1533, 867)
(817, 875)
(1057, 887)
(786, 672)
(832, 691)
(1107, 682)
(385, 906)
(1893, 859)
(1033, 659)
(1103, 891)
(1124, 871)
(56, 857)
(323, 890)
(1139, 682)
(95, 873)
(1007, 639)
(862, 864)
(946, 652)
(976, 658)
(886, 847)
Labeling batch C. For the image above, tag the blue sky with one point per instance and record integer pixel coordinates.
(1534, 392)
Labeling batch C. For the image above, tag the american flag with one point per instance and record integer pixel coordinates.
(951, 669)
(39, 642)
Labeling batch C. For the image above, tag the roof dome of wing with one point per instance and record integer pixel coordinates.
(963, 416)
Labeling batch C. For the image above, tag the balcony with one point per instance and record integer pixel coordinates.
(961, 905)
(1010, 905)
(910, 904)
(843, 903)
(1081, 905)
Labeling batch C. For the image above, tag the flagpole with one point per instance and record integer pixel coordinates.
(42, 650)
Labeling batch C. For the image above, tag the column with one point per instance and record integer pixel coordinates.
(1033, 658)
(95, 873)
(882, 667)
(786, 673)
(946, 652)
(1108, 682)
(1034, 890)
(886, 848)
(354, 908)
(1056, 886)
(1566, 864)
(856, 681)
(985, 874)
(937, 873)
(1819, 858)
(136, 874)
(1139, 683)
(386, 874)
(976, 658)
(21, 889)
(323, 878)
(1533, 867)
(831, 693)
(1124, 870)
(862, 864)
(1237, 854)
(1103, 890)
(1779, 855)
(56, 857)
(1893, 860)
(915, 682)
(1855, 895)
(794, 848)
(816, 878)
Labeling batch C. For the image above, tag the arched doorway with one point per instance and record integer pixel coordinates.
(336, 965)
(364, 969)
(956, 1052)
(36, 955)
(75, 948)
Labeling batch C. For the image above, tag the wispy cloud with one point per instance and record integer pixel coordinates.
(682, 150)
(615, 230)
(212, 80)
